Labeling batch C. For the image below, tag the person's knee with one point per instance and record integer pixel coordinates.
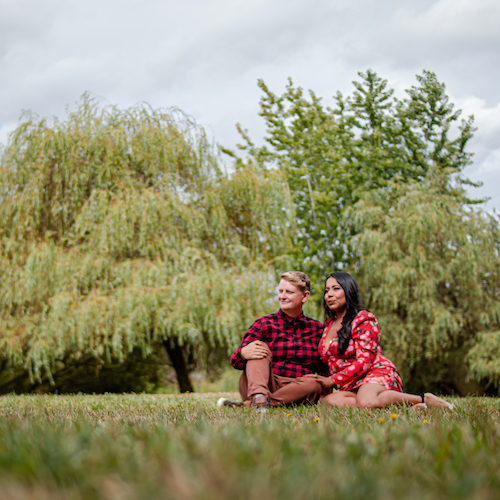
(370, 396)
(366, 401)
(331, 399)
(340, 399)
(311, 384)
(268, 357)
(269, 354)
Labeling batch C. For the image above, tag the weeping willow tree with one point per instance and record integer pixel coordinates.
(429, 268)
(121, 234)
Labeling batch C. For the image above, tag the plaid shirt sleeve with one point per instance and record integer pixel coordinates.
(293, 343)
(253, 334)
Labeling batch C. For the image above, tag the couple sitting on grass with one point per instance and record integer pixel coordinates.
(288, 358)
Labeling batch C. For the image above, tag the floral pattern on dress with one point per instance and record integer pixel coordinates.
(362, 362)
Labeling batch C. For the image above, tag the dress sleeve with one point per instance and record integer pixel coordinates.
(253, 333)
(366, 339)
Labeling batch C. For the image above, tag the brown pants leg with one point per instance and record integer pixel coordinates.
(258, 378)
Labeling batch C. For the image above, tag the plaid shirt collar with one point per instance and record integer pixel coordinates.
(284, 316)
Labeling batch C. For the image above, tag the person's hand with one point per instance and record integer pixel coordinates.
(326, 382)
(255, 350)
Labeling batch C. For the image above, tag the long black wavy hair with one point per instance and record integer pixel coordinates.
(353, 306)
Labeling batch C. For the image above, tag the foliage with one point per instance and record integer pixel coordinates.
(131, 447)
(333, 157)
(484, 356)
(378, 189)
(120, 231)
(429, 268)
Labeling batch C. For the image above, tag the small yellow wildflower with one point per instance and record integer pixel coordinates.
(426, 421)
(50, 407)
(289, 414)
(20, 407)
(316, 419)
(381, 420)
(479, 404)
(394, 416)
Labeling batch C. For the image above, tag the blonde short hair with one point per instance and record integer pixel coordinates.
(299, 279)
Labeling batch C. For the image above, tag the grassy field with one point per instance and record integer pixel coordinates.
(183, 447)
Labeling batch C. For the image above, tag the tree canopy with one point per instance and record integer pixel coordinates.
(429, 267)
(121, 231)
(333, 156)
(378, 188)
(122, 236)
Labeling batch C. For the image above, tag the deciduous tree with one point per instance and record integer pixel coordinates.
(121, 232)
(332, 157)
(429, 268)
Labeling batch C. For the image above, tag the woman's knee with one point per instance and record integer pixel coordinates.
(367, 402)
(341, 399)
(370, 397)
(331, 400)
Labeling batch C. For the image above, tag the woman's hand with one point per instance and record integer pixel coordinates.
(326, 382)
(255, 350)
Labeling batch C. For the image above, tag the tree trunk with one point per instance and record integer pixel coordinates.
(174, 351)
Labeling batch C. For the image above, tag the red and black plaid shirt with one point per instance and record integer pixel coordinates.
(293, 343)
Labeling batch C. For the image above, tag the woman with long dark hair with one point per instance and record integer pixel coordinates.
(350, 346)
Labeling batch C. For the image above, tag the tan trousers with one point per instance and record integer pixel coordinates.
(258, 378)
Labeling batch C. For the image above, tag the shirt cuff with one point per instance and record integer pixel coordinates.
(237, 360)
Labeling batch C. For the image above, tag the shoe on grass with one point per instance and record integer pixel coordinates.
(226, 403)
(260, 403)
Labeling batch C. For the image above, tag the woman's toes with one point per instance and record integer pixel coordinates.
(436, 402)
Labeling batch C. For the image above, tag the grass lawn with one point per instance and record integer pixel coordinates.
(183, 447)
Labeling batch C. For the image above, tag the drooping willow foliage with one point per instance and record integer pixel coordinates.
(429, 268)
(120, 231)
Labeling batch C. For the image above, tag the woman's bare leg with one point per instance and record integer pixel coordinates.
(377, 396)
(342, 399)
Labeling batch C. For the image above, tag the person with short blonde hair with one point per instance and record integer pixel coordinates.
(299, 279)
(278, 350)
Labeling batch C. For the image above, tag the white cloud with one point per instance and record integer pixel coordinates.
(486, 139)
(459, 22)
(457, 39)
(205, 57)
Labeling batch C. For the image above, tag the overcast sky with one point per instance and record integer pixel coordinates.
(205, 56)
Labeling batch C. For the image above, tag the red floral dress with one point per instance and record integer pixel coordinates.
(362, 362)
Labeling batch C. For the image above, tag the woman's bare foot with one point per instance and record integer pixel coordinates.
(419, 406)
(435, 402)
